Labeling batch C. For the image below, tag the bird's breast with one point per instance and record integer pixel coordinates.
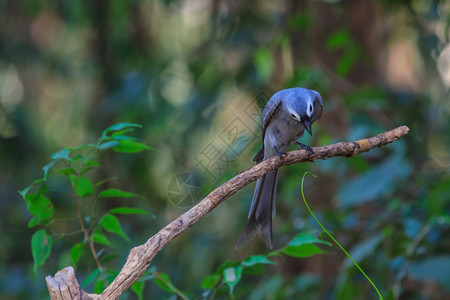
(283, 131)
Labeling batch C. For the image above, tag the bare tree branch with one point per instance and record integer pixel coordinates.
(64, 285)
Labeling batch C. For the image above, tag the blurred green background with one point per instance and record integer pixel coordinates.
(196, 75)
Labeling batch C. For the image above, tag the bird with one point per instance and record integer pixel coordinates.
(285, 117)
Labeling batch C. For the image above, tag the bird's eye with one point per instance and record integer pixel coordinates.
(310, 108)
(293, 116)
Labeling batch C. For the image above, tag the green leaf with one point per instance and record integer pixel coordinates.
(91, 277)
(128, 211)
(115, 193)
(92, 163)
(105, 181)
(99, 286)
(78, 157)
(25, 191)
(41, 245)
(138, 289)
(33, 222)
(257, 259)
(101, 239)
(82, 185)
(164, 282)
(40, 206)
(108, 145)
(76, 252)
(303, 245)
(231, 276)
(122, 126)
(302, 250)
(254, 270)
(117, 127)
(66, 171)
(63, 154)
(122, 137)
(307, 238)
(111, 223)
(121, 132)
(226, 264)
(47, 167)
(130, 146)
(209, 282)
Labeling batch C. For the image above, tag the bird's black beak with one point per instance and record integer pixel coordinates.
(307, 124)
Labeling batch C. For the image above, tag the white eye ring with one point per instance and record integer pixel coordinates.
(294, 116)
(310, 108)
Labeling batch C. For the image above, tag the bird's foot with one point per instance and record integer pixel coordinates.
(279, 154)
(307, 148)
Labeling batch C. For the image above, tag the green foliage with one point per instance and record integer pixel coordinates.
(41, 245)
(128, 211)
(115, 193)
(76, 252)
(264, 64)
(304, 245)
(138, 289)
(342, 40)
(81, 185)
(74, 164)
(111, 223)
(230, 273)
(40, 207)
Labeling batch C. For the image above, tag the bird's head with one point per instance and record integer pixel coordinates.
(301, 106)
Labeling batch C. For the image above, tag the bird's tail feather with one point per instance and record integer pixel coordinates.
(261, 212)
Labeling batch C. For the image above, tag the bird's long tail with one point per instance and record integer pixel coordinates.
(261, 212)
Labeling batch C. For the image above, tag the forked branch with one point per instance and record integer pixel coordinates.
(65, 286)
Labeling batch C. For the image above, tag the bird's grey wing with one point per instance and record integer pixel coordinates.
(318, 106)
(270, 108)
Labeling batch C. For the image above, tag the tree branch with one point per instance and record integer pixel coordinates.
(140, 257)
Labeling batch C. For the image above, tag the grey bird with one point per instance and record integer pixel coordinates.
(286, 115)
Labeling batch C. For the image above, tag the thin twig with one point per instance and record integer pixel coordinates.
(84, 230)
(218, 287)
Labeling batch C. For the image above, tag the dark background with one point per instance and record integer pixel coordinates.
(193, 73)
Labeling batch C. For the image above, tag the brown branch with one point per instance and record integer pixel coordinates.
(140, 257)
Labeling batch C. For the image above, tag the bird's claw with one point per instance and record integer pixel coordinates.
(280, 154)
(307, 148)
